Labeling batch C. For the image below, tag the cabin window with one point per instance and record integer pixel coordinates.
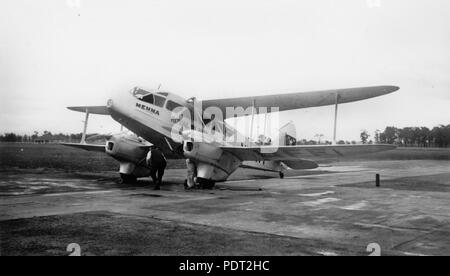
(172, 105)
(159, 101)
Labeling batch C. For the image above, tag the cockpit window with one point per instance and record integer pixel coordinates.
(165, 94)
(159, 101)
(138, 92)
(148, 98)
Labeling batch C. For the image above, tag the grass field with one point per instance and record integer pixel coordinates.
(53, 156)
(402, 153)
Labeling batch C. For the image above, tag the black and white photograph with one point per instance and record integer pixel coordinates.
(237, 130)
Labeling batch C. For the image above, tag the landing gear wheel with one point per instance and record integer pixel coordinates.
(281, 175)
(127, 179)
(206, 183)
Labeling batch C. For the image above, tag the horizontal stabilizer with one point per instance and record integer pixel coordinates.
(100, 110)
(301, 164)
(88, 147)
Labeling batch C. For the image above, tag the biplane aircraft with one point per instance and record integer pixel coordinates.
(199, 130)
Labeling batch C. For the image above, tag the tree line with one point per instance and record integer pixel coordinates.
(44, 137)
(438, 136)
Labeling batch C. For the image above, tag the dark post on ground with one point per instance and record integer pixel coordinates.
(377, 180)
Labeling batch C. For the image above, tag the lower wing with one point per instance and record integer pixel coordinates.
(88, 147)
(100, 110)
(315, 152)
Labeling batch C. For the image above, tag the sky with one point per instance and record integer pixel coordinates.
(62, 53)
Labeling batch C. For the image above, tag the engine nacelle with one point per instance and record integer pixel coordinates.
(130, 153)
(212, 162)
(123, 149)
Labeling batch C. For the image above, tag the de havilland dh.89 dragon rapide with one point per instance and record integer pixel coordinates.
(198, 130)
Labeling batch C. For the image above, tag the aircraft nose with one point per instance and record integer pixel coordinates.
(119, 104)
(113, 102)
(111, 105)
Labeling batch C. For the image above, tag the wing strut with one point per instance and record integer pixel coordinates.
(83, 138)
(251, 126)
(335, 117)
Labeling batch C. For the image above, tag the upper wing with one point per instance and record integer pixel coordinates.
(301, 100)
(88, 147)
(315, 152)
(100, 110)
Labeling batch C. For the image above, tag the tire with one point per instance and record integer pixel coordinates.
(281, 175)
(206, 183)
(127, 179)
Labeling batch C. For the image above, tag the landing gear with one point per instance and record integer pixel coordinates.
(127, 179)
(205, 183)
(281, 175)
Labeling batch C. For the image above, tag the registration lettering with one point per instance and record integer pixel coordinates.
(147, 108)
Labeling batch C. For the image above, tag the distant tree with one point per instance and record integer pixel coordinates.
(440, 136)
(311, 142)
(406, 136)
(389, 135)
(424, 137)
(301, 142)
(47, 135)
(35, 135)
(364, 136)
(377, 136)
(319, 137)
(10, 137)
(76, 137)
(446, 135)
(415, 141)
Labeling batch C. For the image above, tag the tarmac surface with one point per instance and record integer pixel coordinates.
(332, 210)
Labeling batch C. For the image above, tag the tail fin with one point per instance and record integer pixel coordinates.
(288, 134)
